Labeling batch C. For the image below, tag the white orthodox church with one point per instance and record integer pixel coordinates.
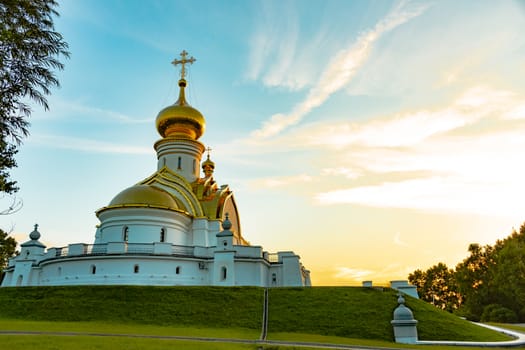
(172, 228)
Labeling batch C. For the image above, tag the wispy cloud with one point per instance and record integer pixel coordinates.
(273, 45)
(352, 273)
(462, 157)
(61, 108)
(398, 241)
(87, 145)
(341, 171)
(340, 70)
(280, 181)
(469, 154)
(411, 128)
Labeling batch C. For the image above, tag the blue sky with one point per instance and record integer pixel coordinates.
(371, 137)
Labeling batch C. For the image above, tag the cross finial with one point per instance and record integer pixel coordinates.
(183, 62)
(208, 150)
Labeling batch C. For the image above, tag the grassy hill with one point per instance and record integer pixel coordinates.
(339, 311)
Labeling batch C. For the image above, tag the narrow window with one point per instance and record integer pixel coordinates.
(179, 163)
(274, 278)
(125, 233)
(224, 273)
(163, 235)
(177, 270)
(59, 271)
(136, 269)
(93, 269)
(194, 166)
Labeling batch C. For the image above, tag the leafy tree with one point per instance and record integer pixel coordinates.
(487, 285)
(508, 275)
(473, 276)
(7, 161)
(30, 50)
(437, 285)
(7, 250)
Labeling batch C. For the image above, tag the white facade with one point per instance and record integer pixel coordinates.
(155, 263)
(165, 230)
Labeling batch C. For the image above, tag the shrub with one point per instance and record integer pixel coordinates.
(498, 313)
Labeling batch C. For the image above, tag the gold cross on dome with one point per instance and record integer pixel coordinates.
(183, 62)
(208, 150)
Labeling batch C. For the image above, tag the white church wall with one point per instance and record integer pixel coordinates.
(22, 273)
(275, 276)
(224, 268)
(132, 270)
(144, 225)
(251, 273)
(214, 227)
(291, 269)
(200, 232)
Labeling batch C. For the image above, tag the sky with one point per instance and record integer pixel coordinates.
(372, 138)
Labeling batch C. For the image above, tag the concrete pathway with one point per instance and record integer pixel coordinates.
(518, 341)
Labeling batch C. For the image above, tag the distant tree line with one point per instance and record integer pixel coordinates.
(488, 285)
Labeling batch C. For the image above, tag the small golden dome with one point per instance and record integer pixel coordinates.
(180, 119)
(144, 195)
(208, 162)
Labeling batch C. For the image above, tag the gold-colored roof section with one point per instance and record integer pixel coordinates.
(140, 195)
(180, 119)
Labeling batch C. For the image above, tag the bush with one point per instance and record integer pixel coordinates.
(498, 313)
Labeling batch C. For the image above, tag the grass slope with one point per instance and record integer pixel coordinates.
(332, 311)
(362, 313)
(167, 306)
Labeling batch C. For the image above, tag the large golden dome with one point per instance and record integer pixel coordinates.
(144, 195)
(180, 119)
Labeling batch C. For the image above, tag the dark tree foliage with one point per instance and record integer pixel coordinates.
(30, 50)
(488, 285)
(7, 248)
(474, 279)
(7, 161)
(437, 285)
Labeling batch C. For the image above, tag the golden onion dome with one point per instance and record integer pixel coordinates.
(180, 119)
(144, 195)
(208, 162)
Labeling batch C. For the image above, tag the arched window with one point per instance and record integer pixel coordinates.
(163, 234)
(136, 269)
(177, 270)
(179, 163)
(125, 234)
(224, 273)
(19, 280)
(194, 166)
(93, 269)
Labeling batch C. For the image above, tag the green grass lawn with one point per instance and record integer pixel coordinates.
(229, 312)
(46, 342)
(363, 313)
